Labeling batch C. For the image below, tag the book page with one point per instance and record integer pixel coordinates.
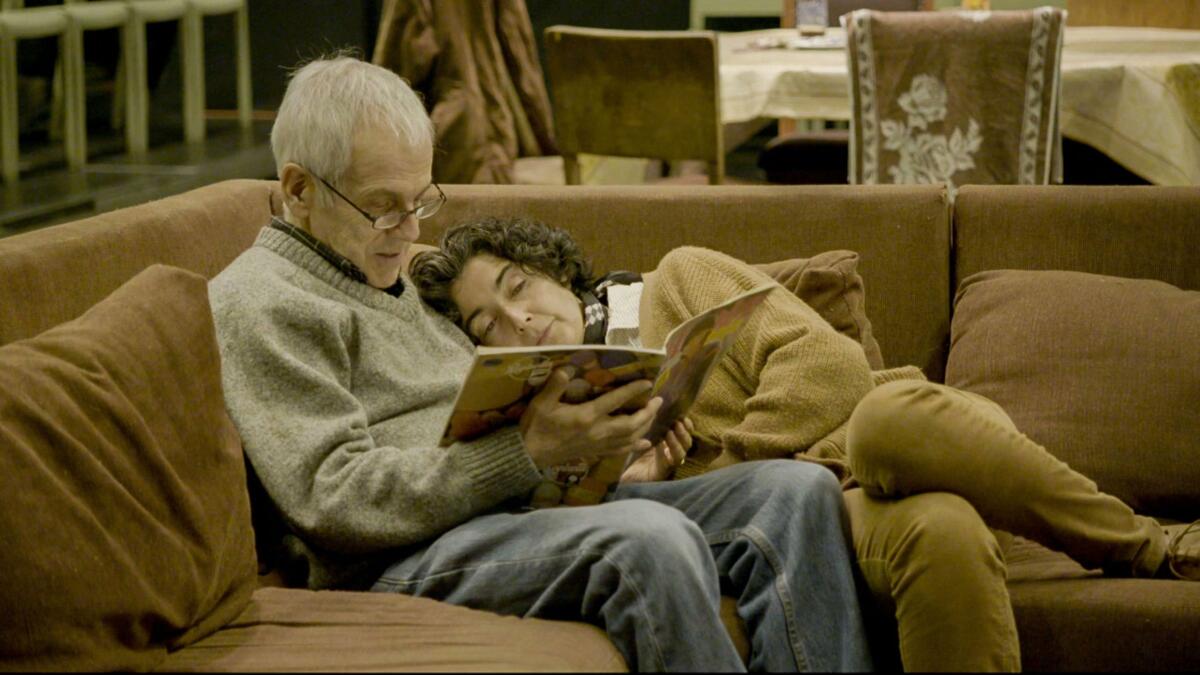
(502, 381)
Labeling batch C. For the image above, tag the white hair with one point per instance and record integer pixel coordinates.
(328, 99)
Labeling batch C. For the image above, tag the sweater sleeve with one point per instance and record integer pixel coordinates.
(287, 370)
(789, 379)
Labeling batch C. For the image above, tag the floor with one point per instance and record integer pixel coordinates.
(47, 193)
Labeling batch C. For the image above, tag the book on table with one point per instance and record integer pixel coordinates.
(502, 381)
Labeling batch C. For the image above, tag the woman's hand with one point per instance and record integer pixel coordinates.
(556, 432)
(658, 462)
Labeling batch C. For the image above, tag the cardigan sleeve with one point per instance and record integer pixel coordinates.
(788, 381)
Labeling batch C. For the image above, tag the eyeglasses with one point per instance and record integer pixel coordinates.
(387, 221)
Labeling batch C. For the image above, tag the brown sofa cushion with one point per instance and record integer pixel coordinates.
(124, 514)
(1074, 620)
(322, 631)
(829, 282)
(1104, 371)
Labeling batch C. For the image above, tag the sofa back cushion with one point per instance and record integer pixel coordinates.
(1137, 232)
(901, 234)
(1103, 371)
(123, 508)
(52, 275)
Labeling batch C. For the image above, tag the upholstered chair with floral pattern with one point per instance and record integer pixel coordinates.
(955, 97)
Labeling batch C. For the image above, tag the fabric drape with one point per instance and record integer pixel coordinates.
(475, 63)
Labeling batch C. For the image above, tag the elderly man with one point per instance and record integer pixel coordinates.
(339, 380)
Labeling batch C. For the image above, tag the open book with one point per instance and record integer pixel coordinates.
(502, 380)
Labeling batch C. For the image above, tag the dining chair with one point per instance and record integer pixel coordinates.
(818, 156)
(955, 97)
(630, 93)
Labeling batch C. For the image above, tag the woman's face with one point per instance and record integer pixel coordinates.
(502, 305)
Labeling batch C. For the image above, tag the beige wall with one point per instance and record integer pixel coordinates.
(1161, 13)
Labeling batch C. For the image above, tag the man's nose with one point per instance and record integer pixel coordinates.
(409, 229)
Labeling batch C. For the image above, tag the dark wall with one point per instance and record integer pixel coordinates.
(283, 33)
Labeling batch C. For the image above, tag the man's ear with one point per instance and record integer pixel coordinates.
(298, 189)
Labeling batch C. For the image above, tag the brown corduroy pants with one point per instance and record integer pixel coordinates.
(939, 467)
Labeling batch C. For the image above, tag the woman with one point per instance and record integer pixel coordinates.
(921, 462)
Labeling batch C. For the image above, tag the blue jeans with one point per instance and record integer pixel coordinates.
(649, 566)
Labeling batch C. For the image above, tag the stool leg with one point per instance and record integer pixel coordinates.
(137, 112)
(245, 99)
(9, 127)
(192, 41)
(55, 127)
(74, 97)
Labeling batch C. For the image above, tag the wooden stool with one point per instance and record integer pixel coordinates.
(137, 114)
(192, 41)
(18, 24)
(84, 16)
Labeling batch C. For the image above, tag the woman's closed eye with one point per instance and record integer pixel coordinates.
(487, 330)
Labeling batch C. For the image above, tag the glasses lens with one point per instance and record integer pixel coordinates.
(428, 208)
(388, 221)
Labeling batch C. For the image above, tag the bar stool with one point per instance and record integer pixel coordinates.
(19, 24)
(193, 43)
(137, 114)
(83, 16)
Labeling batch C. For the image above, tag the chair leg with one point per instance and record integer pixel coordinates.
(245, 99)
(571, 170)
(716, 171)
(192, 43)
(9, 126)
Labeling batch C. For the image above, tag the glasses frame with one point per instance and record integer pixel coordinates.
(441, 200)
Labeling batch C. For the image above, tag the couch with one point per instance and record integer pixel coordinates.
(128, 535)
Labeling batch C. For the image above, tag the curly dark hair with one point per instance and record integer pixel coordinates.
(536, 247)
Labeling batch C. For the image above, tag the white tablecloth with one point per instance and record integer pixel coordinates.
(1133, 93)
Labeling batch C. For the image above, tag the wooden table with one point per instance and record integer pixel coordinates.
(1131, 92)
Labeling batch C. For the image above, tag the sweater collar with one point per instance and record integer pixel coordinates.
(341, 262)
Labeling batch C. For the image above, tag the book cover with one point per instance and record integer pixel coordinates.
(502, 381)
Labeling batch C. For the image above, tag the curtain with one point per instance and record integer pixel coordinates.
(475, 63)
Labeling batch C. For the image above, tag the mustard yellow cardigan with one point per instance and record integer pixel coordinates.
(787, 386)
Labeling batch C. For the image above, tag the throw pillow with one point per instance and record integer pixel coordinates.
(123, 506)
(829, 282)
(1102, 371)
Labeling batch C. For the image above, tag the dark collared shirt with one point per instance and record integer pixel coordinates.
(334, 258)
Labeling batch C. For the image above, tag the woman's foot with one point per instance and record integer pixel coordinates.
(1183, 552)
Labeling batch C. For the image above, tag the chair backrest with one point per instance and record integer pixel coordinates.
(628, 93)
(955, 97)
(839, 7)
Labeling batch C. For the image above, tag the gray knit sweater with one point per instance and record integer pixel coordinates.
(340, 392)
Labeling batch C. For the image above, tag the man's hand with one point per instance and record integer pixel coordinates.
(662, 460)
(556, 433)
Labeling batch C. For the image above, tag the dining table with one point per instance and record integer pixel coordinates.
(1131, 92)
